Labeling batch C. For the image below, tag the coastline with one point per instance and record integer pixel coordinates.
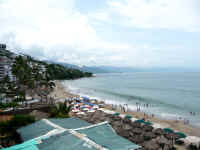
(61, 93)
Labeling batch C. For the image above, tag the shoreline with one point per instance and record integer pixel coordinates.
(61, 93)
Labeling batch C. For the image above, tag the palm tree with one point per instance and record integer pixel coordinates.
(61, 111)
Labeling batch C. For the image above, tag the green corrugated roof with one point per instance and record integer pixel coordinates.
(34, 130)
(70, 123)
(29, 145)
(102, 135)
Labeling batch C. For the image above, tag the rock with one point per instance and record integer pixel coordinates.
(39, 114)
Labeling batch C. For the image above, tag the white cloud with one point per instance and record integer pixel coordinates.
(58, 31)
(57, 28)
(165, 14)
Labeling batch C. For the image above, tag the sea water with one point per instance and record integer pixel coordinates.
(167, 95)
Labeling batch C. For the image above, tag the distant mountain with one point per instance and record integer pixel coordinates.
(101, 69)
(112, 69)
(92, 69)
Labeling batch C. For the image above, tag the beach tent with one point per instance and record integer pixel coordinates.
(148, 123)
(181, 135)
(116, 114)
(128, 116)
(73, 133)
(140, 121)
(168, 130)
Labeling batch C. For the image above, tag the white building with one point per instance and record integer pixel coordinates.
(5, 64)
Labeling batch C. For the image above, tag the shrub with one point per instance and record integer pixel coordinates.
(8, 105)
(62, 111)
(16, 122)
(21, 120)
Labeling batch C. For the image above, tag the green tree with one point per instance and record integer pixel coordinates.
(61, 111)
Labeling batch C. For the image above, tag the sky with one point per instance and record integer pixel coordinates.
(134, 33)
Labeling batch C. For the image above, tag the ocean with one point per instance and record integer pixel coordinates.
(168, 95)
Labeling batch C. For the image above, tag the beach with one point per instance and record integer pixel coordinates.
(60, 92)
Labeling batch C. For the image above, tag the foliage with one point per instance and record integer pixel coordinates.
(8, 105)
(62, 111)
(16, 122)
(59, 72)
(37, 77)
(29, 75)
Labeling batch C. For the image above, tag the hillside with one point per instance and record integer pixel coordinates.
(56, 71)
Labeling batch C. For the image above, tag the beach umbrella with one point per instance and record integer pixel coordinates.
(86, 98)
(140, 121)
(168, 130)
(85, 109)
(128, 116)
(89, 104)
(75, 110)
(96, 106)
(83, 106)
(181, 134)
(116, 114)
(148, 123)
(80, 113)
(91, 110)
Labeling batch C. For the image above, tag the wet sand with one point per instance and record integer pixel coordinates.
(60, 92)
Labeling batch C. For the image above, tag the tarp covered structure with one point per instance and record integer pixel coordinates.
(70, 123)
(69, 134)
(34, 130)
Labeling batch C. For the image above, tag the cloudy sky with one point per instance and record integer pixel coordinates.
(137, 33)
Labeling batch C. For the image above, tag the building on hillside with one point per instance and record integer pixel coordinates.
(5, 67)
(5, 64)
(2, 46)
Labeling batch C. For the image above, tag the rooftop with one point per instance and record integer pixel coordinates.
(71, 133)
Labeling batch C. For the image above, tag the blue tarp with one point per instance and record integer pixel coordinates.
(102, 135)
(89, 103)
(86, 98)
(70, 123)
(34, 130)
(29, 145)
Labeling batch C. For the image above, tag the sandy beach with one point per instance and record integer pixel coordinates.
(60, 92)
